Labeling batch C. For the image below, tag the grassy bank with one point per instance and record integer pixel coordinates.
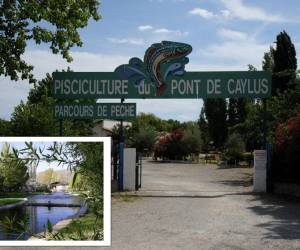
(8, 201)
(87, 227)
(14, 197)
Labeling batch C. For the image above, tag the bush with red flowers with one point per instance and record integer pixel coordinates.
(287, 148)
(178, 144)
(170, 146)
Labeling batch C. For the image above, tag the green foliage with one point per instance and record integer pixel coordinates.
(89, 227)
(55, 23)
(234, 149)
(49, 226)
(283, 106)
(268, 60)
(216, 116)
(5, 128)
(43, 188)
(203, 126)
(285, 63)
(35, 117)
(236, 111)
(13, 225)
(287, 149)
(144, 139)
(251, 129)
(150, 121)
(192, 140)
(179, 144)
(13, 172)
(88, 163)
(7, 201)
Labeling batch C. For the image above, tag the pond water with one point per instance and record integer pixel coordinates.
(37, 217)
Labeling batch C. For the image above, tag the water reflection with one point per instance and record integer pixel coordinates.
(38, 216)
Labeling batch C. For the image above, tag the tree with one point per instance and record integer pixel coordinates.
(13, 173)
(5, 128)
(48, 176)
(287, 149)
(285, 63)
(52, 22)
(215, 112)
(35, 117)
(235, 147)
(144, 140)
(192, 140)
(236, 111)
(268, 60)
(203, 126)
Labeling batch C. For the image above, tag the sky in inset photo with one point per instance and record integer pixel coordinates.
(43, 165)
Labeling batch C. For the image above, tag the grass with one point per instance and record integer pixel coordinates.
(19, 194)
(15, 197)
(126, 197)
(82, 228)
(7, 201)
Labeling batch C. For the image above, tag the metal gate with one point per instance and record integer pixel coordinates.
(138, 171)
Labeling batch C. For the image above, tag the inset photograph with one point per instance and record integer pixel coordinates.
(52, 191)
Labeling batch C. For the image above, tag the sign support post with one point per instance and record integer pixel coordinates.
(268, 148)
(121, 153)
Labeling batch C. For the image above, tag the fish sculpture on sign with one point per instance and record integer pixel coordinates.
(161, 62)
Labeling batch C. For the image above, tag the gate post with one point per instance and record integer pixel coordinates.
(269, 168)
(121, 154)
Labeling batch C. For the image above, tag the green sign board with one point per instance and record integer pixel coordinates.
(95, 111)
(161, 74)
(248, 84)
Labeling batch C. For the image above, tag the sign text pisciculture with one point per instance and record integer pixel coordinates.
(235, 84)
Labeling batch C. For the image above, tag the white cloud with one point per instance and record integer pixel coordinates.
(239, 52)
(213, 66)
(232, 34)
(238, 9)
(202, 12)
(145, 27)
(171, 32)
(131, 41)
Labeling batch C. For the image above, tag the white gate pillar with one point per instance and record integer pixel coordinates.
(129, 169)
(260, 171)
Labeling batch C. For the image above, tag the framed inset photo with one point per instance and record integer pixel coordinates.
(55, 191)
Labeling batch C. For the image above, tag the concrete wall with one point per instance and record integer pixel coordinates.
(129, 168)
(260, 171)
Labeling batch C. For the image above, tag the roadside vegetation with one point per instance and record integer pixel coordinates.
(88, 227)
(8, 201)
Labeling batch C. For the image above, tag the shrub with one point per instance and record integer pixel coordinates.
(287, 148)
(234, 148)
(178, 144)
(144, 140)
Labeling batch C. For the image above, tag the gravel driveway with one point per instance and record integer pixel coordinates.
(193, 206)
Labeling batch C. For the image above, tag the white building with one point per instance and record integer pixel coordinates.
(103, 128)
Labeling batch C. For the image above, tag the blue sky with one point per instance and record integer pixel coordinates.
(225, 35)
(43, 165)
